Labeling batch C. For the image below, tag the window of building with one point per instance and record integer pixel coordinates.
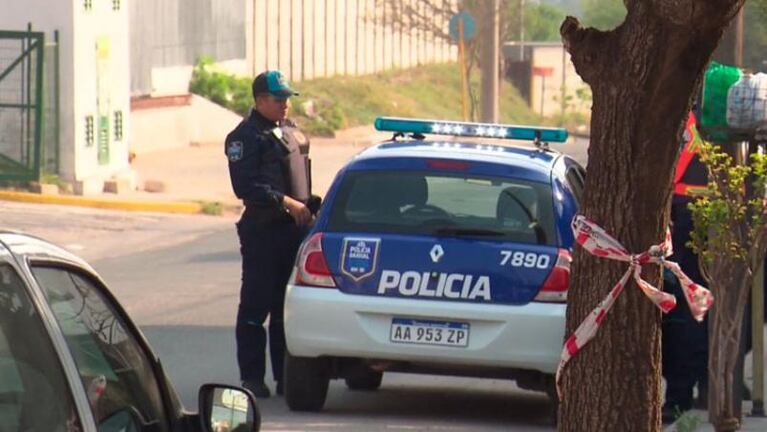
(118, 125)
(89, 130)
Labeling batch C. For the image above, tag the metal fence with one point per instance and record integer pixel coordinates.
(28, 102)
(51, 107)
(21, 59)
(166, 33)
(303, 38)
(319, 38)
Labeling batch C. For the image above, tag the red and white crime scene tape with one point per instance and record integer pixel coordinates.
(597, 242)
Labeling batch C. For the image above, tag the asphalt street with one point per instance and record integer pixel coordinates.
(178, 278)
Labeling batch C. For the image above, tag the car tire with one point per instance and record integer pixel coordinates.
(367, 381)
(306, 383)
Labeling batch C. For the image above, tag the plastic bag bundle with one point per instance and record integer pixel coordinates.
(717, 82)
(733, 104)
(747, 102)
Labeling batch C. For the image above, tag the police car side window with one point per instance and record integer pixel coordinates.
(575, 178)
(115, 371)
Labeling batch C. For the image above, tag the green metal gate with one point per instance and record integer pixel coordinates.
(21, 105)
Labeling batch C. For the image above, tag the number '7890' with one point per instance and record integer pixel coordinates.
(525, 259)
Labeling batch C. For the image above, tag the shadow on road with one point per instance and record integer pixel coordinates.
(193, 355)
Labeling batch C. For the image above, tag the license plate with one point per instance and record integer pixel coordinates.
(426, 332)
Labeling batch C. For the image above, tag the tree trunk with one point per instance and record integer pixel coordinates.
(642, 75)
(731, 294)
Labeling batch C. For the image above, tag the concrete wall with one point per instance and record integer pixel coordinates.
(548, 92)
(303, 38)
(195, 122)
(168, 34)
(525, 62)
(94, 74)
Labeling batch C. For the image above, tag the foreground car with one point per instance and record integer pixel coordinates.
(71, 359)
(435, 257)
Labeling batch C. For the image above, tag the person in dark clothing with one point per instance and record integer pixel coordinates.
(270, 175)
(685, 340)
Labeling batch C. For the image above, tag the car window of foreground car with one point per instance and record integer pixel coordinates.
(115, 372)
(31, 376)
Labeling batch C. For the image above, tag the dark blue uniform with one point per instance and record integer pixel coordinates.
(685, 340)
(269, 239)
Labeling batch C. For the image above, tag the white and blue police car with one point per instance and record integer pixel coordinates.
(443, 256)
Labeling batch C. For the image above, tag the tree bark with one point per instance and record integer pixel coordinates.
(724, 338)
(642, 75)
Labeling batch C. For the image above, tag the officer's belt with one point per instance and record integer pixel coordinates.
(266, 214)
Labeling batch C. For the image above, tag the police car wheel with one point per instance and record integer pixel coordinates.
(306, 383)
(367, 381)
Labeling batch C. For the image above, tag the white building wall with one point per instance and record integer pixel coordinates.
(318, 41)
(296, 40)
(101, 88)
(318, 38)
(272, 33)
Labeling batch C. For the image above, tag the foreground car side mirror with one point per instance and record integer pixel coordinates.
(226, 408)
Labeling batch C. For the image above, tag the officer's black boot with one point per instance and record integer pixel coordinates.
(259, 389)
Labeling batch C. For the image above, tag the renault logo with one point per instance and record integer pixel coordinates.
(436, 253)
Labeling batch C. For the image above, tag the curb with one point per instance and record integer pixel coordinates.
(128, 205)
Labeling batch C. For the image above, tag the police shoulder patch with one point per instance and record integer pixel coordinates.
(234, 151)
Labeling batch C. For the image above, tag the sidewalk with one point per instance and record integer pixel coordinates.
(195, 176)
(750, 424)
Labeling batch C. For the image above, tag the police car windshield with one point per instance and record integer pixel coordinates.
(444, 204)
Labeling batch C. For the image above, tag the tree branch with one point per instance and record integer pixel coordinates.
(585, 46)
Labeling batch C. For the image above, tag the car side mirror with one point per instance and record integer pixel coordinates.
(225, 408)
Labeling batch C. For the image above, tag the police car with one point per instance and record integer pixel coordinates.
(439, 256)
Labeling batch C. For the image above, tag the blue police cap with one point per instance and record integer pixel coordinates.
(272, 82)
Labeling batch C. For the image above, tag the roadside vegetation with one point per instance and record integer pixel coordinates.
(329, 104)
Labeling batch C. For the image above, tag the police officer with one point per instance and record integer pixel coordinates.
(270, 174)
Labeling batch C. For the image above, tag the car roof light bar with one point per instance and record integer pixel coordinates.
(469, 129)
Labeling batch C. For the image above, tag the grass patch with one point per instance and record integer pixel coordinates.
(63, 186)
(432, 91)
(687, 422)
(213, 208)
(329, 104)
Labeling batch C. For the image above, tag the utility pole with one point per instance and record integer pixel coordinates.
(490, 62)
(730, 49)
(739, 38)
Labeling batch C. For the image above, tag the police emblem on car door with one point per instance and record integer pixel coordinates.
(359, 257)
